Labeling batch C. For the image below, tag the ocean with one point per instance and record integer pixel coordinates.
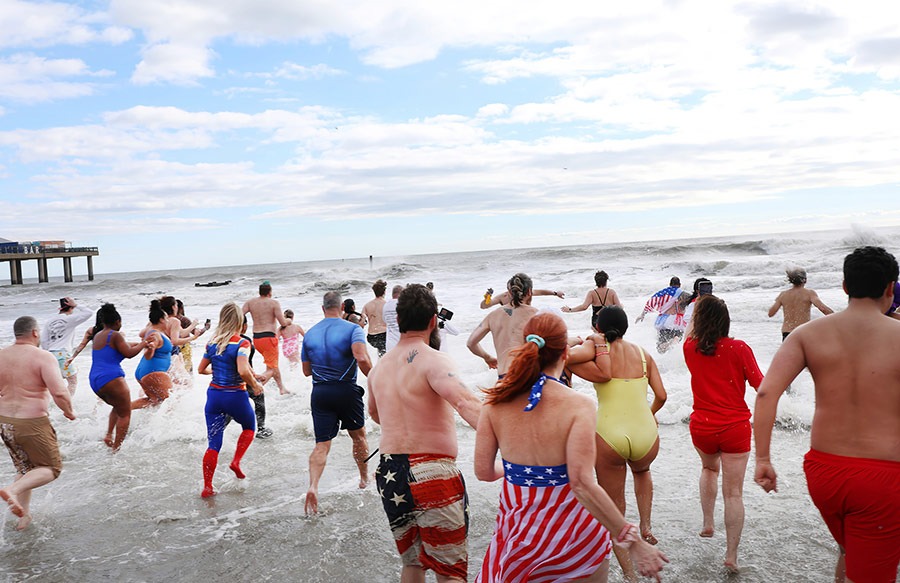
(137, 515)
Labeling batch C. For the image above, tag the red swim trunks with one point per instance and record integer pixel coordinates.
(858, 499)
(711, 440)
(268, 347)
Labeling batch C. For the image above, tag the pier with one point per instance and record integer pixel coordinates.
(15, 254)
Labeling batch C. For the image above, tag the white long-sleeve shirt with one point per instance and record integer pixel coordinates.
(58, 331)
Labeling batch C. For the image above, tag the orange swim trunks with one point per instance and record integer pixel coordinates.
(266, 343)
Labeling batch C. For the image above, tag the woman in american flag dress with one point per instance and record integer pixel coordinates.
(554, 522)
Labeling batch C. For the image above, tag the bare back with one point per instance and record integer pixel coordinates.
(28, 377)
(507, 325)
(539, 437)
(373, 313)
(852, 358)
(796, 303)
(266, 314)
(410, 394)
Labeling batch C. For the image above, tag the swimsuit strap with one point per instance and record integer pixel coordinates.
(604, 297)
(108, 336)
(643, 360)
(598, 296)
(535, 397)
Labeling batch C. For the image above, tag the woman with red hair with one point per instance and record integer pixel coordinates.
(547, 526)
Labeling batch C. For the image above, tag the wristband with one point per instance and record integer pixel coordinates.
(627, 537)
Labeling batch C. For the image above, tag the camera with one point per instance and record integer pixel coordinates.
(443, 315)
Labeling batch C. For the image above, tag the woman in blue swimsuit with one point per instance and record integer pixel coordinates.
(107, 377)
(228, 355)
(153, 370)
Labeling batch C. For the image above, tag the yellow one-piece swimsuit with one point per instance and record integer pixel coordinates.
(624, 419)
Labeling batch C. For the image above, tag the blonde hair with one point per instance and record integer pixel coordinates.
(231, 320)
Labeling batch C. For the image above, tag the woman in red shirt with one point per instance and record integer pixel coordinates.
(720, 422)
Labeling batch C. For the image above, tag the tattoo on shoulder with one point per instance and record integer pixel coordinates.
(412, 356)
(508, 311)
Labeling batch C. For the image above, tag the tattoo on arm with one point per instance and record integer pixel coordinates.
(412, 356)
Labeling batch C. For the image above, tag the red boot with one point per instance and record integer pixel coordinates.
(210, 459)
(244, 441)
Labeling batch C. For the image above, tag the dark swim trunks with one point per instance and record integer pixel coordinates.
(424, 497)
(336, 405)
(379, 341)
(784, 336)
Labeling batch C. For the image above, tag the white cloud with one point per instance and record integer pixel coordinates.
(31, 78)
(35, 24)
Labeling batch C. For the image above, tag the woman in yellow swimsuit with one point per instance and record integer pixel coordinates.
(627, 431)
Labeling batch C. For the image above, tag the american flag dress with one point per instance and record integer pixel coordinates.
(542, 534)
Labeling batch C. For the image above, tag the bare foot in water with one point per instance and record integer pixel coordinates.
(23, 522)
(108, 440)
(647, 535)
(363, 483)
(237, 470)
(707, 532)
(731, 566)
(13, 503)
(311, 506)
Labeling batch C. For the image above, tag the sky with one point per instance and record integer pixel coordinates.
(192, 133)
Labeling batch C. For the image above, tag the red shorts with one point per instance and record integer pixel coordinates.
(858, 499)
(729, 439)
(268, 347)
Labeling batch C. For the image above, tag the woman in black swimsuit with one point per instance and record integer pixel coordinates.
(598, 298)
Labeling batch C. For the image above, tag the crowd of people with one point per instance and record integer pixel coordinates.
(562, 456)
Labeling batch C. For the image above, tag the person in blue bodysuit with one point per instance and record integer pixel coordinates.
(153, 370)
(107, 377)
(228, 355)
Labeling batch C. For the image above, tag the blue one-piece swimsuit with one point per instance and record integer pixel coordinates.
(105, 365)
(161, 360)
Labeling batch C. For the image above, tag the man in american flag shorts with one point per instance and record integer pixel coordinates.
(413, 392)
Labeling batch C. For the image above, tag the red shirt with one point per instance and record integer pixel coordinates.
(718, 381)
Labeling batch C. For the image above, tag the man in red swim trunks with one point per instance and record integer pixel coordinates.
(853, 466)
(266, 312)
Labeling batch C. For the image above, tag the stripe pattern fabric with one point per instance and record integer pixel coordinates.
(542, 533)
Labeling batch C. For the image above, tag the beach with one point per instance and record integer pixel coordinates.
(137, 515)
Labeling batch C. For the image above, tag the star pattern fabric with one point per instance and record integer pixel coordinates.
(537, 391)
(535, 475)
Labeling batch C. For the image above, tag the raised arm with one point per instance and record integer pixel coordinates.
(501, 298)
(127, 349)
(548, 292)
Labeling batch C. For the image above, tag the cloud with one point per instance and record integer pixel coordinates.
(31, 78)
(44, 24)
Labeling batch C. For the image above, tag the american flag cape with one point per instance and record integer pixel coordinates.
(542, 533)
(662, 300)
